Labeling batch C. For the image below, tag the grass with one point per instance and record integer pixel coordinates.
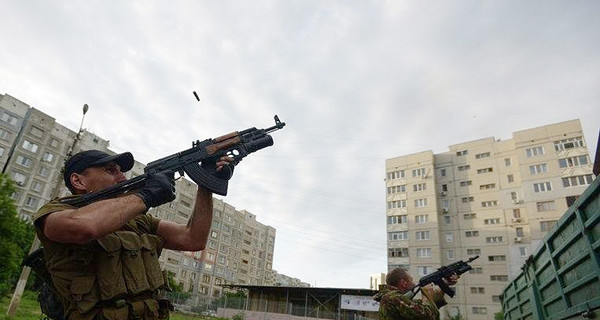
(29, 309)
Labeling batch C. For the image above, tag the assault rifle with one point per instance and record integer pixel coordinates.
(437, 277)
(198, 163)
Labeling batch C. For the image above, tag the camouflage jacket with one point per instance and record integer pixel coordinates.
(393, 305)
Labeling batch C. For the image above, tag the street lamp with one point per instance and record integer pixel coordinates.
(16, 298)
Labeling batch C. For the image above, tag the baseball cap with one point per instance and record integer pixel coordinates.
(91, 158)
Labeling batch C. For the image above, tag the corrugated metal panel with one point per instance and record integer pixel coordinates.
(561, 280)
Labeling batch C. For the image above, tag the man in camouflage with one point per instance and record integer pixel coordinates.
(395, 305)
(103, 256)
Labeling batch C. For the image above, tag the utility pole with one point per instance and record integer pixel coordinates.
(16, 297)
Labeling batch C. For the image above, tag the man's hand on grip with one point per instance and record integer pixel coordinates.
(159, 189)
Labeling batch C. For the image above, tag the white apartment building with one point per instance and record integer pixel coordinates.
(492, 198)
(33, 147)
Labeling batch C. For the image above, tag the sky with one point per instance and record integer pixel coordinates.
(356, 82)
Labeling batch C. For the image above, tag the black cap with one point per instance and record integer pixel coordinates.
(91, 158)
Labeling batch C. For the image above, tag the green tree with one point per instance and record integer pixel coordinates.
(16, 237)
(498, 316)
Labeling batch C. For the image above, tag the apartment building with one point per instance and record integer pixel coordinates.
(33, 147)
(492, 198)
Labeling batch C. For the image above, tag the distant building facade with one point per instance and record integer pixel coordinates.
(33, 147)
(496, 199)
(376, 280)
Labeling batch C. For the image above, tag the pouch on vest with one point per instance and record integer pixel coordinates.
(110, 268)
(133, 263)
(116, 313)
(83, 293)
(151, 245)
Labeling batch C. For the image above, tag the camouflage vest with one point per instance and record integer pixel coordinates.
(114, 277)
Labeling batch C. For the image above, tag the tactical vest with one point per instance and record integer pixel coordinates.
(117, 277)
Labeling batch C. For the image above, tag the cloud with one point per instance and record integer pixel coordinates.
(356, 83)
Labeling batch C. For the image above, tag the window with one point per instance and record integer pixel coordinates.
(466, 183)
(422, 235)
(467, 199)
(464, 167)
(54, 142)
(496, 239)
(9, 119)
(519, 231)
(419, 187)
(510, 178)
(449, 236)
(30, 146)
(496, 298)
(446, 219)
(492, 221)
(37, 186)
(37, 132)
(471, 234)
(418, 172)
(401, 235)
(398, 252)
(214, 234)
(485, 170)
(534, 151)
(577, 180)
(542, 187)
(396, 189)
(4, 134)
(44, 171)
(545, 206)
(450, 254)
(423, 271)
(516, 213)
(397, 219)
(547, 225)
(31, 202)
(468, 216)
(573, 161)
(395, 175)
(421, 218)
(396, 204)
(479, 310)
(507, 162)
(420, 203)
(476, 270)
(569, 144)
(501, 278)
(477, 290)
(523, 251)
(442, 172)
(424, 252)
(462, 153)
(24, 161)
(497, 258)
(473, 252)
(487, 204)
(538, 168)
(482, 155)
(487, 186)
(1, 151)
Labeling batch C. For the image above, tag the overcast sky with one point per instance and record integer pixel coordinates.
(357, 82)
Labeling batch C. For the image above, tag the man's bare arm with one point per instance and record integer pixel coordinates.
(194, 235)
(93, 221)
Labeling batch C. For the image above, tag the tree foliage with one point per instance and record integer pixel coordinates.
(16, 237)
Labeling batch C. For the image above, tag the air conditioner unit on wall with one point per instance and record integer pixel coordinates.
(516, 219)
(443, 193)
(445, 210)
(518, 239)
(518, 201)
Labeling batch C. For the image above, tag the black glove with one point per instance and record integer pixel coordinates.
(226, 171)
(159, 189)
